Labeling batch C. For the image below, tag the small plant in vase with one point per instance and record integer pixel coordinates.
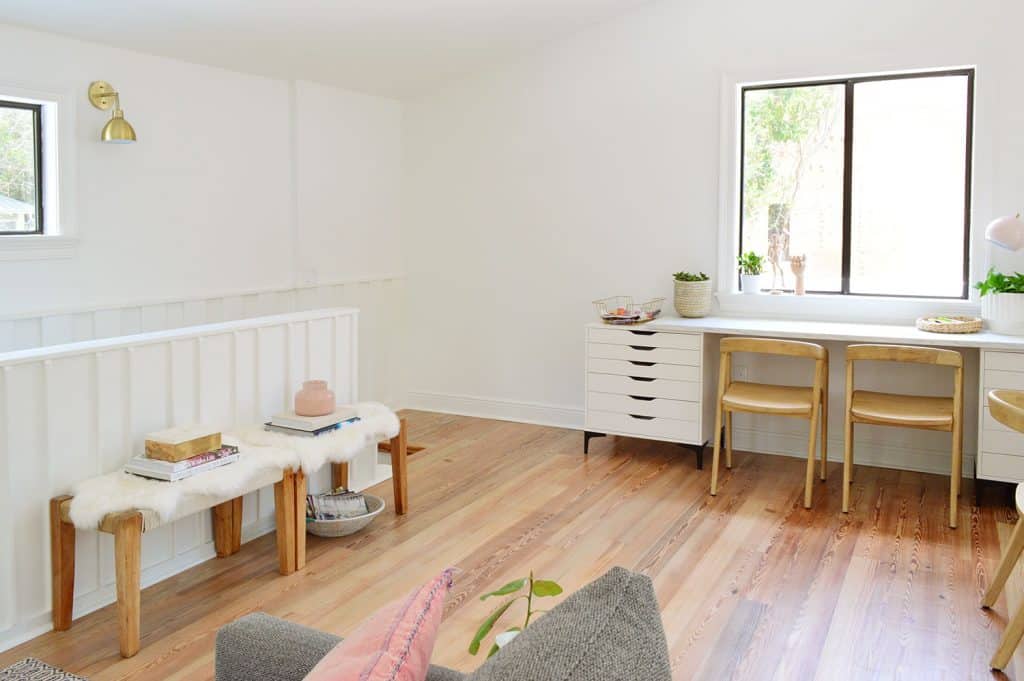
(751, 268)
(535, 588)
(693, 294)
(1002, 302)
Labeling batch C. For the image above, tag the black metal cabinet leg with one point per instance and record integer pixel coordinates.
(699, 451)
(586, 439)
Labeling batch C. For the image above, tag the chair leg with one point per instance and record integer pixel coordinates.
(728, 440)
(717, 450)
(127, 563)
(62, 565)
(1006, 564)
(954, 476)
(824, 434)
(812, 442)
(847, 462)
(1008, 643)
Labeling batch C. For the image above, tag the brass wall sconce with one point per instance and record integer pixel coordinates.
(104, 97)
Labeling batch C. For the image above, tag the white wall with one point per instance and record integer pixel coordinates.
(591, 169)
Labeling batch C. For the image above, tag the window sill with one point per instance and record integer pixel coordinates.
(866, 309)
(37, 247)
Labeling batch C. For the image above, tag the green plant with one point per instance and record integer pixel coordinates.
(997, 282)
(690, 276)
(751, 263)
(541, 588)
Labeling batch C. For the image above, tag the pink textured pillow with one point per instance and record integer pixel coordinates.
(394, 644)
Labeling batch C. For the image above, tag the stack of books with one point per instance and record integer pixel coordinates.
(180, 453)
(291, 423)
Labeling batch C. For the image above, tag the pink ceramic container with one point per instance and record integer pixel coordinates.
(315, 399)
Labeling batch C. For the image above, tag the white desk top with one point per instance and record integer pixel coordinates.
(838, 331)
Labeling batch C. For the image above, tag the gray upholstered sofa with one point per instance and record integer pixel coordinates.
(610, 630)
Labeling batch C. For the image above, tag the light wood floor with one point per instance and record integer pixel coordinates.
(751, 585)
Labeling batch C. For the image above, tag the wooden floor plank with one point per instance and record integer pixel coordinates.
(751, 585)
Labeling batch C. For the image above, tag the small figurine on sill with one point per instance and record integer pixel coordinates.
(798, 264)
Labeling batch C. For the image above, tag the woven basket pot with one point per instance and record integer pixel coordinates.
(693, 298)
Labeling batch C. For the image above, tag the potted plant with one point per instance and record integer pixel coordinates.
(693, 294)
(751, 268)
(1002, 305)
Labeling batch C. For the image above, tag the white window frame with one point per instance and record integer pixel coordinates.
(60, 236)
(832, 307)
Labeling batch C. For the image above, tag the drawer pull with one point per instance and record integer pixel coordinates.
(643, 333)
(645, 348)
(641, 364)
(641, 418)
(642, 378)
(642, 399)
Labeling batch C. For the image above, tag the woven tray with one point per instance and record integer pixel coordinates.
(949, 324)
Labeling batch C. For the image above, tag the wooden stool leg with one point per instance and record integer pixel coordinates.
(1008, 643)
(223, 526)
(728, 440)
(62, 565)
(847, 462)
(399, 469)
(284, 509)
(236, 524)
(811, 457)
(300, 520)
(127, 562)
(718, 448)
(1006, 564)
(339, 475)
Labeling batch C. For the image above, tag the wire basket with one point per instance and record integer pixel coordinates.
(622, 310)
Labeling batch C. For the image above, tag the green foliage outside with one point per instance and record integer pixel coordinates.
(539, 588)
(997, 282)
(17, 157)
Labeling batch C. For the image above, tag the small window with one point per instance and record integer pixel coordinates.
(21, 168)
(868, 177)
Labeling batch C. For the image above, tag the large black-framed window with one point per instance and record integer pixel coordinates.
(869, 177)
(21, 168)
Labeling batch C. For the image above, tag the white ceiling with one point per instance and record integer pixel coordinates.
(394, 48)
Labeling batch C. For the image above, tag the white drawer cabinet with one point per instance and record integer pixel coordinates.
(646, 384)
(1000, 450)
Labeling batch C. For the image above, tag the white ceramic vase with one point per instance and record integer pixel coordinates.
(751, 284)
(1004, 313)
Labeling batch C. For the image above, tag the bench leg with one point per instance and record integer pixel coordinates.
(284, 510)
(227, 527)
(127, 562)
(339, 475)
(62, 565)
(399, 469)
(300, 520)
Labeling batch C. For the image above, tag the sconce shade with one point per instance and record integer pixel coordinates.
(118, 130)
(1007, 232)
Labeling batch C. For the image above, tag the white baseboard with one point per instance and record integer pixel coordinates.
(750, 440)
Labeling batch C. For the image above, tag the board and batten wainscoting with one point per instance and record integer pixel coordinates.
(69, 412)
(380, 300)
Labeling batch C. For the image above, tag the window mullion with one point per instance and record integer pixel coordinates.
(847, 184)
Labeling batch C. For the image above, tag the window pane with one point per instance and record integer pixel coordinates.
(18, 182)
(909, 165)
(793, 180)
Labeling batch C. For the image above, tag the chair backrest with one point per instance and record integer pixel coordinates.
(774, 346)
(905, 353)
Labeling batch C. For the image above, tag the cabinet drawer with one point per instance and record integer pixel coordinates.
(643, 353)
(1002, 441)
(676, 372)
(653, 427)
(1007, 380)
(643, 406)
(992, 466)
(686, 391)
(654, 339)
(1004, 361)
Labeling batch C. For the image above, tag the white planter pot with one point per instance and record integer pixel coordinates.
(693, 298)
(1004, 312)
(751, 284)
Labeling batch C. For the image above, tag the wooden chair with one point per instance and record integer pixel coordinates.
(907, 411)
(1007, 407)
(782, 400)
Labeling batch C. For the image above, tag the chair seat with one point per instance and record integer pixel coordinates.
(911, 411)
(762, 398)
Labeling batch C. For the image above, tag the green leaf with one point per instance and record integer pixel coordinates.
(509, 588)
(545, 587)
(488, 624)
(493, 650)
